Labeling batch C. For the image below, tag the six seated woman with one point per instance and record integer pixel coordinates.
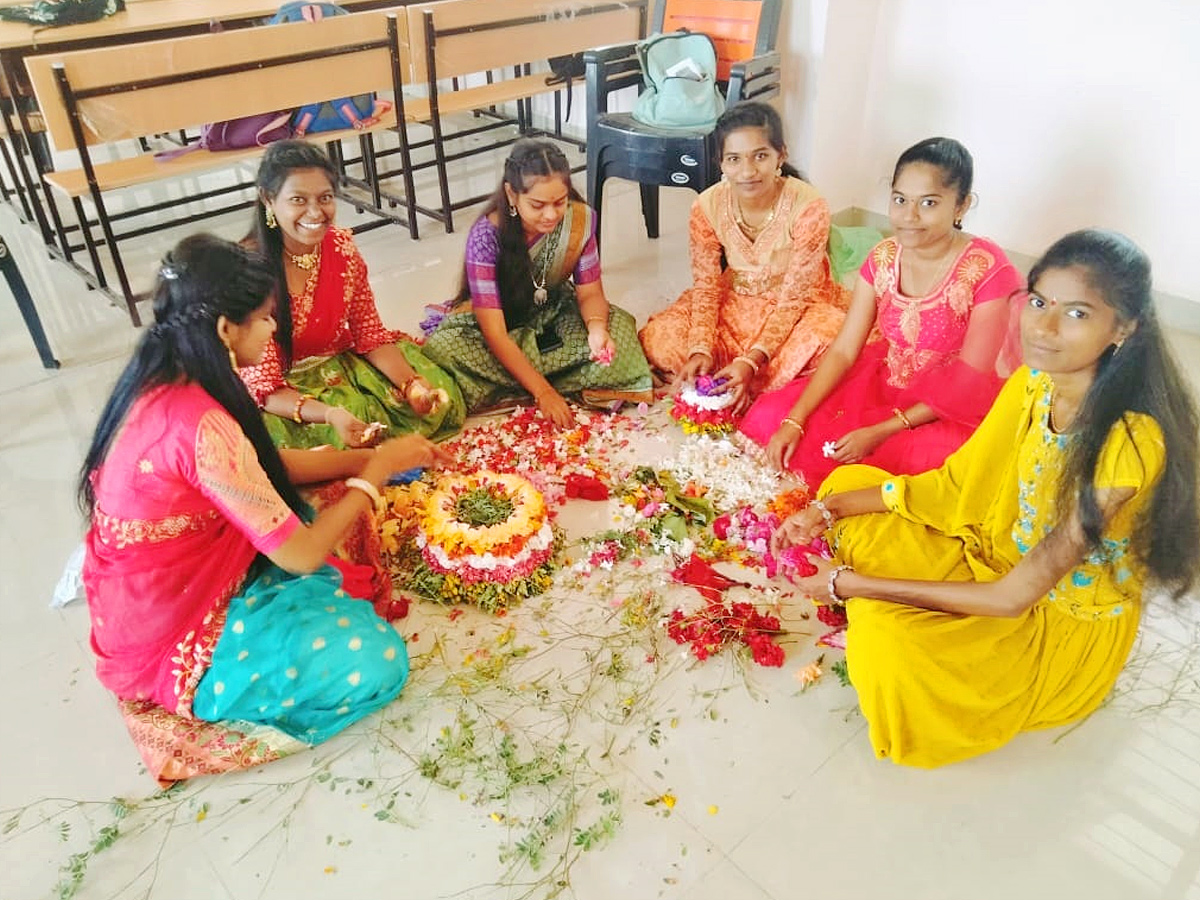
(185, 488)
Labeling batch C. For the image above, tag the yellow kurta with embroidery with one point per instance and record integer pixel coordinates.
(939, 687)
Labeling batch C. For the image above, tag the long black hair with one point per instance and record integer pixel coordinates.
(753, 114)
(203, 278)
(530, 159)
(281, 159)
(947, 155)
(1139, 376)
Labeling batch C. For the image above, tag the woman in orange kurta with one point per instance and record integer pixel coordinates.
(764, 304)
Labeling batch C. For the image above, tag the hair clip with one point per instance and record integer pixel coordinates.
(168, 273)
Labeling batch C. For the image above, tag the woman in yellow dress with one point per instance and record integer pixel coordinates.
(1002, 591)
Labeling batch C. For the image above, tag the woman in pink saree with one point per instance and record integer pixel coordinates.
(206, 574)
(919, 358)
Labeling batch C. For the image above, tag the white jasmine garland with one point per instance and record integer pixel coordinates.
(710, 403)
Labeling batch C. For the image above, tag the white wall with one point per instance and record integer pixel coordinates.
(1078, 112)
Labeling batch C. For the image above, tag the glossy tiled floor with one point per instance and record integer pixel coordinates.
(731, 787)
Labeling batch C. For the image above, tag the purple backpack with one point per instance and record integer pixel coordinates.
(251, 131)
(238, 134)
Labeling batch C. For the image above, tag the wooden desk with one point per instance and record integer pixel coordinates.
(146, 19)
(140, 20)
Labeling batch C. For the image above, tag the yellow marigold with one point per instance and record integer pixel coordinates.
(440, 524)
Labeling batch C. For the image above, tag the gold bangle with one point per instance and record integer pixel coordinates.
(788, 420)
(748, 361)
(296, 417)
(904, 420)
(591, 319)
(361, 484)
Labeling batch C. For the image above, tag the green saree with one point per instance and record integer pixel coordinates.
(457, 345)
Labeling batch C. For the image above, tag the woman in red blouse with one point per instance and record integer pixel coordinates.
(334, 374)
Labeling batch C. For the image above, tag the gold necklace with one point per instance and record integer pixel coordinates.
(741, 218)
(305, 261)
(1054, 426)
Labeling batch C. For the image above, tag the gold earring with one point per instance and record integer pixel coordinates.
(232, 357)
(1117, 346)
(958, 222)
(269, 214)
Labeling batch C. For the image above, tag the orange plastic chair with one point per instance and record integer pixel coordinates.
(618, 146)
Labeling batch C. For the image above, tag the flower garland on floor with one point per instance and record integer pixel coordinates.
(485, 538)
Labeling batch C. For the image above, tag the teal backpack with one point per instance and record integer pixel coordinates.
(680, 71)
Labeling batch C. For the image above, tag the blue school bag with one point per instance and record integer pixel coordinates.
(329, 115)
(680, 73)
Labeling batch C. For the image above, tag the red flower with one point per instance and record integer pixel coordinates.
(834, 617)
(585, 487)
(720, 526)
(704, 578)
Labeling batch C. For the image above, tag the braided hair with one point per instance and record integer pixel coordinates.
(199, 281)
(529, 160)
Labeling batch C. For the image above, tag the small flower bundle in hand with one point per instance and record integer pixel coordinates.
(704, 407)
(605, 355)
(420, 392)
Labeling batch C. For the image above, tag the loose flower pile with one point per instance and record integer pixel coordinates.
(719, 625)
(732, 471)
(528, 444)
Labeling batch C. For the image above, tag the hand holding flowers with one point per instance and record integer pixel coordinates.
(600, 342)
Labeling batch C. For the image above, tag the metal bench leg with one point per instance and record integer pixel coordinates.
(16, 283)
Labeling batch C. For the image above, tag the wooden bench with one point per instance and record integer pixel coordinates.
(462, 44)
(103, 97)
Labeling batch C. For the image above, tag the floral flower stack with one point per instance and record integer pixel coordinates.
(704, 407)
(484, 538)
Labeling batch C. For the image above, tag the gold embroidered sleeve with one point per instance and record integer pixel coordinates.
(807, 279)
(229, 474)
(707, 284)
